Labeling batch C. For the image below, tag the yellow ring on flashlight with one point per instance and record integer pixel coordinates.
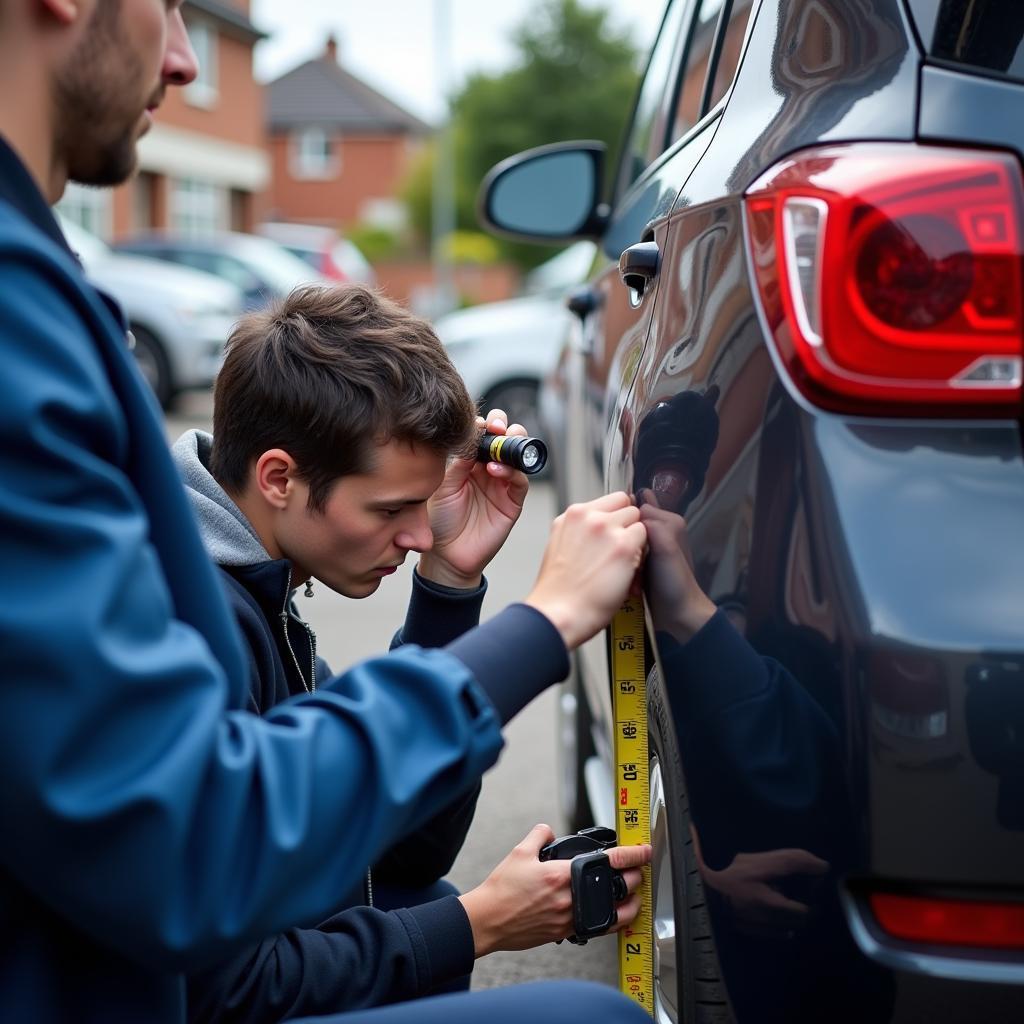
(496, 444)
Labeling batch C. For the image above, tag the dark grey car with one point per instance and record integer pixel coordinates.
(807, 339)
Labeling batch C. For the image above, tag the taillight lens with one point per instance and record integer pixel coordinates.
(329, 268)
(950, 922)
(891, 276)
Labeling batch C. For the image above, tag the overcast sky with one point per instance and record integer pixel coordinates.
(391, 43)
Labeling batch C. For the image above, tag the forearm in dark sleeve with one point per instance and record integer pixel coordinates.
(514, 656)
(438, 614)
(761, 753)
(357, 959)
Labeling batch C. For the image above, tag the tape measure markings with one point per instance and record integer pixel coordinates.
(632, 779)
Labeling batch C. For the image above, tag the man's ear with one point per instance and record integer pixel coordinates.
(276, 478)
(66, 12)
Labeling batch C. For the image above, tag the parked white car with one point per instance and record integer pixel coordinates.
(181, 318)
(505, 349)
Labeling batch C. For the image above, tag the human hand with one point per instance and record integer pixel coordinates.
(472, 513)
(526, 902)
(678, 605)
(592, 557)
(750, 884)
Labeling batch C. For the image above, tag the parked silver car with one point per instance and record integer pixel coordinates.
(181, 318)
(264, 270)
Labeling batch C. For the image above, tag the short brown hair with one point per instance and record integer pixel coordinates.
(327, 373)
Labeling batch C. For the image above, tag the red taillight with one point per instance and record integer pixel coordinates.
(329, 268)
(950, 922)
(891, 276)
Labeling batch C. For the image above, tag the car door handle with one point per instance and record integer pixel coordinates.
(638, 266)
(582, 301)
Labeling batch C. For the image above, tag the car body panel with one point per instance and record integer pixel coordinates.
(877, 562)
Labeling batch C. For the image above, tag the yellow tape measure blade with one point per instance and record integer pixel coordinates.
(632, 792)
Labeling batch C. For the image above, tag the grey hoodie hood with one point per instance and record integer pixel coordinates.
(226, 533)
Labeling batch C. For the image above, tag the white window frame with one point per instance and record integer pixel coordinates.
(203, 36)
(89, 208)
(314, 154)
(198, 207)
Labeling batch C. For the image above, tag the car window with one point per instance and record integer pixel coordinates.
(729, 51)
(279, 269)
(220, 265)
(646, 139)
(311, 257)
(237, 273)
(989, 37)
(698, 55)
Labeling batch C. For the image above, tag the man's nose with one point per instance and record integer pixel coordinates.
(420, 539)
(180, 64)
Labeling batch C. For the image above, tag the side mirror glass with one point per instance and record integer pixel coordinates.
(547, 194)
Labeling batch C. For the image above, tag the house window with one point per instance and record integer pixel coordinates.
(88, 207)
(198, 207)
(203, 91)
(314, 154)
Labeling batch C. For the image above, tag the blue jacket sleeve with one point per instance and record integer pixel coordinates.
(357, 959)
(436, 615)
(194, 825)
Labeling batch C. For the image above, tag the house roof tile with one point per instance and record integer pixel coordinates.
(323, 94)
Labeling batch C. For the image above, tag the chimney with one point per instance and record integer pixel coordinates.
(331, 50)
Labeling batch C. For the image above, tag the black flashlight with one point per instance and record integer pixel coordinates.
(528, 454)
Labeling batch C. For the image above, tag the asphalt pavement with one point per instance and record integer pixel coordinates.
(520, 791)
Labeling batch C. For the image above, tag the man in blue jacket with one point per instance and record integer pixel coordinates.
(298, 481)
(151, 823)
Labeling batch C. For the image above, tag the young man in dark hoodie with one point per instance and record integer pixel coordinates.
(335, 415)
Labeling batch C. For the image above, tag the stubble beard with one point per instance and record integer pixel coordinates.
(97, 120)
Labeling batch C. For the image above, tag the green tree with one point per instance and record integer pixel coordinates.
(574, 77)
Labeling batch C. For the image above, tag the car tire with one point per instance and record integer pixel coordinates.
(154, 365)
(688, 978)
(574, 745)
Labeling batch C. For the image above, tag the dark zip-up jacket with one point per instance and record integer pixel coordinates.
(151, 823)
(361, 957)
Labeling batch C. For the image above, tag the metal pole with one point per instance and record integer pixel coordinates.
(443, 207)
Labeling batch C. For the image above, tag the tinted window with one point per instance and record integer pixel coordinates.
(985, 34)
(729, 52)
(647, 132)
(698, 55)
(221, 266)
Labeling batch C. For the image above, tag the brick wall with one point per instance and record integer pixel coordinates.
(404, 282)
(369, 168)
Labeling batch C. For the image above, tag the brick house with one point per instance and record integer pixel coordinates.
(338, 148)
(203, 165)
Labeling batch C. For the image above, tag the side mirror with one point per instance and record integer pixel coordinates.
(549, 194)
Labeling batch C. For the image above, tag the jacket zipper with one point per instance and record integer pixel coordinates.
(284, 616)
